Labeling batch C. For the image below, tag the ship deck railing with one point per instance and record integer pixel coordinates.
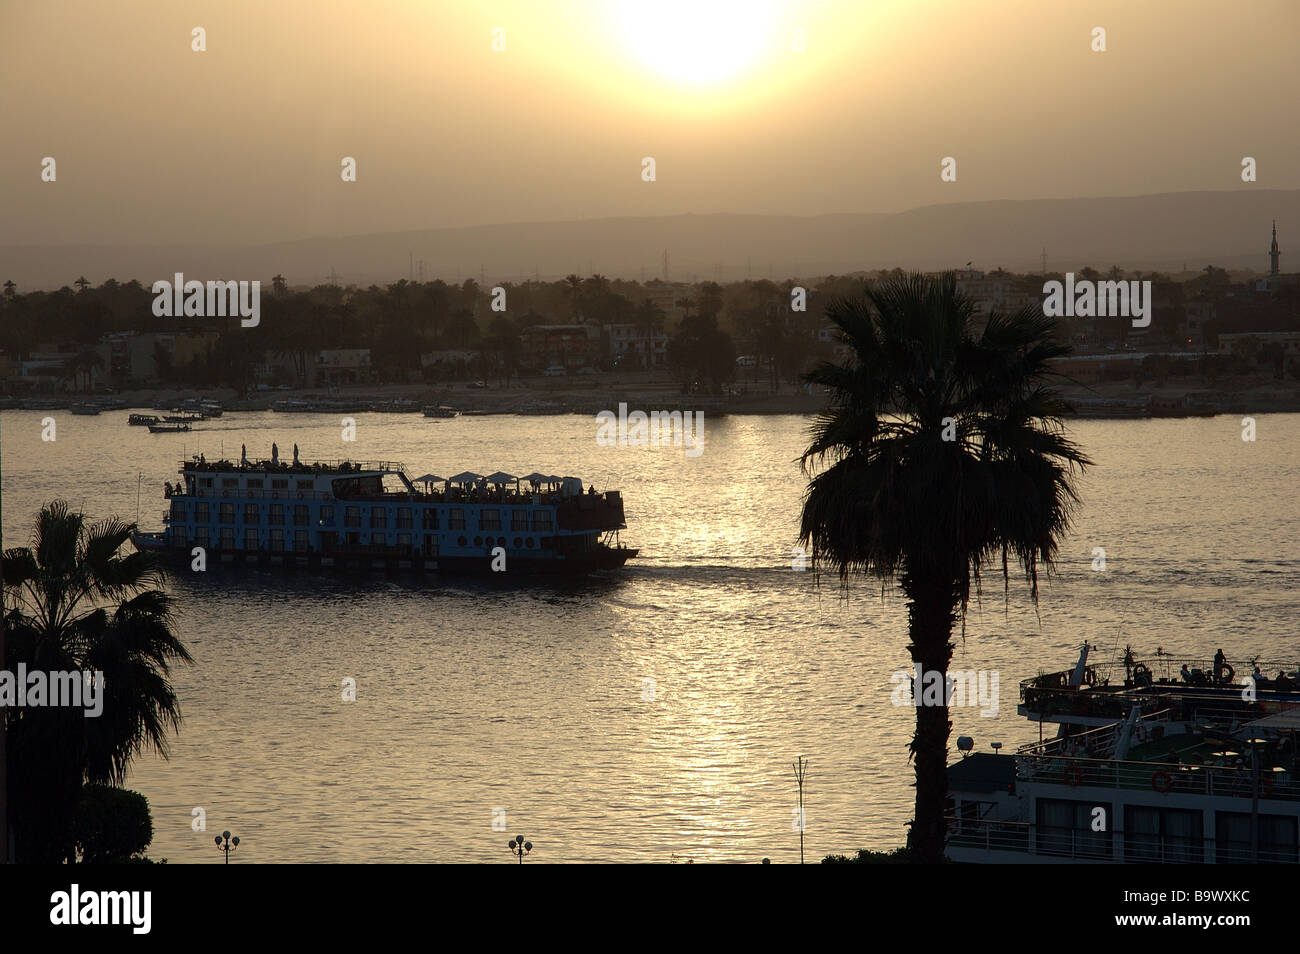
(1181, 778)
(509, 499)
(1099, 741)
(1114, 673)
(1115, 845)
(289, 467)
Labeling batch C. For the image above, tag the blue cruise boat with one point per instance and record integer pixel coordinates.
(367, 515)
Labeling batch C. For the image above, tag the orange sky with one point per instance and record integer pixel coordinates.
(156, 143)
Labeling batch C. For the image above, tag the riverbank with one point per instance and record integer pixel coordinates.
(590, 394)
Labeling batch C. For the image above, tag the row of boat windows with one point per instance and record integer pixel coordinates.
(1065, 827)
(378, 517)
(278, 542)
(256, 483)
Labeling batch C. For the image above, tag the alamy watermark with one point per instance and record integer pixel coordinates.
(61, 688)
(1089, 299)
(195, 299)
(656, 429)
(956, 687)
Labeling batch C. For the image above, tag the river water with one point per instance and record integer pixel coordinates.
(651, 715)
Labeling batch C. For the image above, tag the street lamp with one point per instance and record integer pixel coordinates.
(520, 847)
(228, 846)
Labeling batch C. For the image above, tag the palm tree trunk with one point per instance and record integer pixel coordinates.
(4, 753)
(931, 614)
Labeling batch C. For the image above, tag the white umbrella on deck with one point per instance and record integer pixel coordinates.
(468, 477)
(428, 479)
(501, 477)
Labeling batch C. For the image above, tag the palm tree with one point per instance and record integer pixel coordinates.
(10, 288)
(82, 283)
(74, 602)
(900, 502)
(278, 285)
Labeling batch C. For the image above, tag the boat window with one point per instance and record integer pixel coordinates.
(227, 513)
(279, 484)
(229, 481)
(277, 513)
(456, 520)
(327, 514)
(300, 515)
(378, 517)
(489, 520)
(228, 538)
(255, 484)
(403, 518)
(300, 540)
(517, 542)
(352, 517)
(277, 540)
(250, 539)
(305, 485)
(201, 511)
(250, 513)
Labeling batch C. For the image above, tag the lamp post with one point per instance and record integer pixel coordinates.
(520, 847)
(229, 844)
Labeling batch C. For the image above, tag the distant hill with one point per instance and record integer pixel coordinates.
(1230, 229)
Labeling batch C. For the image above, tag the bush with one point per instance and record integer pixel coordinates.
(899, 856)
(111, 825)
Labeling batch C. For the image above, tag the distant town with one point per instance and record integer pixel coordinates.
(1216, 338)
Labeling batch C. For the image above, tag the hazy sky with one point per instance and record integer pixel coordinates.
(156, 143)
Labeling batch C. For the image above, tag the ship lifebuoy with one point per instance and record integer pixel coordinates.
(275, 495)
(225, 493)
(1162, 781)
(1073, 775)
(250, 495)
(300, 496)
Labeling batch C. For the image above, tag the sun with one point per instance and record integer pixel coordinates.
(696, 42)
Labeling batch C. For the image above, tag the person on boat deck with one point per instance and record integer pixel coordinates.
(1185, 673)
(1221, 664)
(1282, 683)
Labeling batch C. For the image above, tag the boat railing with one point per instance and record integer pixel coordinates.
(1114, 845)
(287, 466)
(1098, 741)
(1166, 777)
(238, 494)
(1114, 673)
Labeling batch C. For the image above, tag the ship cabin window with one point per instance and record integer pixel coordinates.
(519, 520)
(352, 517)
(379, 539)
(279, 484)
(378, 517)
(228, 538)
(327, 515)
(277, 513)
(277, 540)
(178, 511)
(456, 519)
(300, 515)
(403, 539)
(1277, 838)
(1170, 835)
(429, 519)
(200, 536)
(229, 481)
(250, 539)
(1065, 828)
(304, 485)
(403, 518)
(300, 541)
(354, 538)
(205, 482)
(227, 513)
(255, 484)
(489, 520)
(250, 513)
(541, 520)
(201, 511)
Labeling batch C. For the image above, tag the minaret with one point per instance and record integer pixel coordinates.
(1273, 253)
